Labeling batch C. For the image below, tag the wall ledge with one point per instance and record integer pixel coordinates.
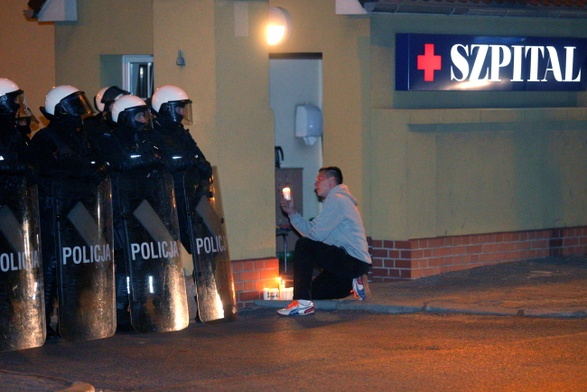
(432, 120)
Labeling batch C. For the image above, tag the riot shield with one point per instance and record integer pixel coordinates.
(85, 258)
(147, 226)
(215, 293)
(22, 306)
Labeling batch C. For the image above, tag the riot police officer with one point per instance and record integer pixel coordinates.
(149, 282)
(106, 96)
(15, 119)
(100, 123)
(126, 147)
(22, 322)
(14, 112)
(59, 151)
(173, 109)
(199, 213)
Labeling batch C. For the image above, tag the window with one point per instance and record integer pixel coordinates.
(137, 75)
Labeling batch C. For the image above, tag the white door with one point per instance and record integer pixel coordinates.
(296, 79)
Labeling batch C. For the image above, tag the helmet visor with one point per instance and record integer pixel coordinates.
(10, 102)
(185, 110)
(138, 117)
(76, 104)
(177, 111)
(143, 118)
(24, 116)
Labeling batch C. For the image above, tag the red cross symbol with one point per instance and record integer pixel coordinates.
(429, 62)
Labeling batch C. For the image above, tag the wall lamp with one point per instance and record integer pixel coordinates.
(278, 26)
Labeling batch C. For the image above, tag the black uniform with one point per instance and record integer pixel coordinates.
(180, 153)
(96, 126)
(14, 148)
(58, 151)
(21, 318)
(126, 151)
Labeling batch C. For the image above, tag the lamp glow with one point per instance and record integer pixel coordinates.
(278, 27)
(275, 34)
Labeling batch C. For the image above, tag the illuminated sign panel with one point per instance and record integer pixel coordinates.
(462, 62)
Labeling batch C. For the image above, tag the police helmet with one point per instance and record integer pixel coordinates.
(10, 97)
(106, 97)
(12, 102)
(131, 111)
(173, 103)
(66, 100)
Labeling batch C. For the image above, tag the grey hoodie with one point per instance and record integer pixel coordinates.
(339, 224)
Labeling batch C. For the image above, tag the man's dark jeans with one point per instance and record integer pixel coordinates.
(337, 270)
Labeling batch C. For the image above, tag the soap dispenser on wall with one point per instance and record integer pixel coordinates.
(308, 120)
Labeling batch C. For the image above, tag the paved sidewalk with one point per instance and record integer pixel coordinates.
(12, 381)
(551, 287)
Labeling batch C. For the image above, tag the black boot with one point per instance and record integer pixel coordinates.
(50, 282)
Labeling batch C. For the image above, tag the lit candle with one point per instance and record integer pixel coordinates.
(282, 290)
(270, 294)
(286, 192)
(286, 294)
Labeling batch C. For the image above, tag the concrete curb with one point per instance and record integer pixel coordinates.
(425, 308)
(36, 382)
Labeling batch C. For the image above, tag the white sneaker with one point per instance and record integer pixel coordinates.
(298, 307)
(359, 289)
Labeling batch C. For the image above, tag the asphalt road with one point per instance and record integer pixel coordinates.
(328, 351)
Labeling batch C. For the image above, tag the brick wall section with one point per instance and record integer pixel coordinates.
(416, 258)
(251, 277)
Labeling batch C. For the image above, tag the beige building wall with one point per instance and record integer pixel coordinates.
(421, 164)
(245, 129)
(344, 44)
(455, 163)
(189, 26)
(27, 54)
(456, 172)
(103, 27)
(227, 77)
